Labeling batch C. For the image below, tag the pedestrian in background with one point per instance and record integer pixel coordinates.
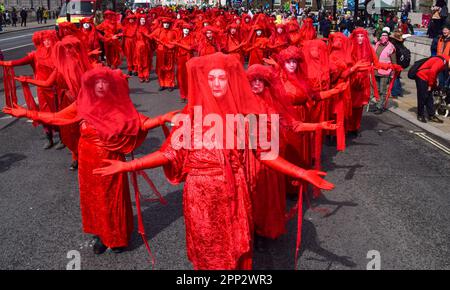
(23, 16)
(45, 15)
(14, 17)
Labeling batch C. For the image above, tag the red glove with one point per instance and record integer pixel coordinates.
(312, 176)
(152, 160)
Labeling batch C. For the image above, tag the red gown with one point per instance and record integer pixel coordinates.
(129, 43)
(165, 57)
(183, 56)
(113, 47)
(142, 52)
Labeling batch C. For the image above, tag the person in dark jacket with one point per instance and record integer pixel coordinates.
(426, 80)
(23, 16)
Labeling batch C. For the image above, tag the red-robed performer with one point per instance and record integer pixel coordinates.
(209, 41)
(307, 31)
(91, 38)
(216, 201)
(279, 39)
(234, 44)
(142, 51)
(165, 54)
(112, 30)
(110, 127)
(42, 63)
(257, 46)
(341, 69)
(71, 62)
(185, 51)
(129, 43)
(360, 82)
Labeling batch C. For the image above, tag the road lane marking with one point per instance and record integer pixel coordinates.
(430, 140)
(20, 36)
(17, 47)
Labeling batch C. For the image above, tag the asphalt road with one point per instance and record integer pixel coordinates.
(391, 196)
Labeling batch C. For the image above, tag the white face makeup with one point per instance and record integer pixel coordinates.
(257, 86)
(280, 30)
(209, 34)
(258, 32)
(142, 21)
(233, 30)
(166, 25)
(291, 65)
(360, 38)
(86, 25)
(47, 43)
(218, 82)
(101, 87)
(185, 31)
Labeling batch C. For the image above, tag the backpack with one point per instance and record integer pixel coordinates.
(403, 56)
(416, 66)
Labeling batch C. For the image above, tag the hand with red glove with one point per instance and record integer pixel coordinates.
(5, 63)
(312, 176)
(328, 125)
(22, 79)
(16, 111)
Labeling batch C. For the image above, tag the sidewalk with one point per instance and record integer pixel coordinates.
(406, 107)
(30, 25)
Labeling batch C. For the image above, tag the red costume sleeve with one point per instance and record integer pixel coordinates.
(29, 59)
(45, 84)
(64, 117)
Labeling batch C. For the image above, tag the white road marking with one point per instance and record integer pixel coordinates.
(20, 36)
(433, 142)
(12, 48)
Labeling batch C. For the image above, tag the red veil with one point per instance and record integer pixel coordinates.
(307, 31)
(42, 53)
(113, 115)
(339, 48)
(363, 51)
(71, 61)
(315, 65)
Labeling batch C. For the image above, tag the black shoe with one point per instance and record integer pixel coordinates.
(135, 73)
(99, 247)
(435, 119)
(161, 89)
(260, 244)
(118, 250)
(421, 119)
(130, 73)
(378, 112)
(170, 89)
(74, 165)
(49, 142)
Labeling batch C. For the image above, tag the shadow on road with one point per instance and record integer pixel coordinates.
(8, 159)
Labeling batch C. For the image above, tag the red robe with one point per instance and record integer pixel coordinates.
(142, 58)
(129, 45)
(104, 200)
(113, 48)
(257, 53)
(183, 56)
(165, 58)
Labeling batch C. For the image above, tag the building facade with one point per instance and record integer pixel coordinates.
(33, 4)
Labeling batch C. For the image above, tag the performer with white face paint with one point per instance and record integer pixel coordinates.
(185, 50)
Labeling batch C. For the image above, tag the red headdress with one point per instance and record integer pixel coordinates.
(71, 61)
(113, 114)
(43, 53)
(67, 28)
(165, 20)
(361, 51)
(307, 31)
(315, 65)
(339, 47)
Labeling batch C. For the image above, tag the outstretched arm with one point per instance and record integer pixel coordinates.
(64, 117)
(312, 176)
(150, 123)
(152, 160)
(19, 62)
(40, 83)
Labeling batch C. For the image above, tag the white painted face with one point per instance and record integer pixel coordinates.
(101, 87)
(280, 30)
(233, 31)
(47, 43)
(166, 25)
(178, 16)
(86, 25)
(142, 21)
(185, 31)
(218, 82)
(258, 32)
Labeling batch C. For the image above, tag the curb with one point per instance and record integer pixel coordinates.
(28, 28)
(425, 126)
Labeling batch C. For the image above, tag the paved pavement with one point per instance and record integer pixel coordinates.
(392, 196)
(30, 25)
